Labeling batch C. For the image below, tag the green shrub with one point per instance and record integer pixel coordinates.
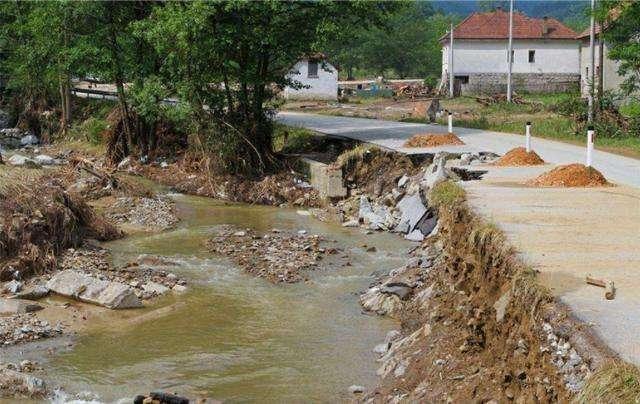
(90, 130)
(574, 107)
(431, 81)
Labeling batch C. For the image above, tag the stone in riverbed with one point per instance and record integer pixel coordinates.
(355, 389)
(13, 286)
(86, 288)
(400, 289)
(35, 293)
(10, 307)
(155, 288)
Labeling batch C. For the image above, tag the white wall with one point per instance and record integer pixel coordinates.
(611, 80)
(490, 56)
(323, 87)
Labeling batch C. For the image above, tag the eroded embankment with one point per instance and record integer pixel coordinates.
(476, 326)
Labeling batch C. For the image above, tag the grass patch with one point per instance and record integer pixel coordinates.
(349, 157)
(615, 382)
(546, 124)
(294, 139)
(89, 130)
(447, 193)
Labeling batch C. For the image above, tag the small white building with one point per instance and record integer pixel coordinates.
(608, 73)
(546, 54)
(318, 77)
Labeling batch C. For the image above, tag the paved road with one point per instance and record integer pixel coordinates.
(618, 169)
(565, 233)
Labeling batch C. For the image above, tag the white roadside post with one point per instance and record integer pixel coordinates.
(450, 117)
(528, 137)
(590, 133)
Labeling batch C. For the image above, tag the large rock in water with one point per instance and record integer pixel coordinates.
(9, 307)
(86, 288)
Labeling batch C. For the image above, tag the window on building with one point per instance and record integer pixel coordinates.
(532, 56)
(512, 56)
(463, 79)
(312, 69)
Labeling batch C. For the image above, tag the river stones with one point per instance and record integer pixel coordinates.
(86, 288)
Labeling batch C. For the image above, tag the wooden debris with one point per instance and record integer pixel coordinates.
(610, 291)
(609, 287)
(596, 282)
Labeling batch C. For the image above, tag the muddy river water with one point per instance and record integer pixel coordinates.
(234, 337)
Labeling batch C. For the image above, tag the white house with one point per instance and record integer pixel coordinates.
(608, 73)
(546, 54)
(319, 77)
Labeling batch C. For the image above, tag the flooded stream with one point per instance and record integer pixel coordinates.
(234, 337)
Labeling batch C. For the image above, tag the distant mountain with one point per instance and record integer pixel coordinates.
(571, 12)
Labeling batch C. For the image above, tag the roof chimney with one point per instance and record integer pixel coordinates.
(545, 25)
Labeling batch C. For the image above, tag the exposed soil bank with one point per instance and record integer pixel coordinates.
(476, 326)
(191, 176)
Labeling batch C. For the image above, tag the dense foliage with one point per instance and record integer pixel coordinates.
(223, 61)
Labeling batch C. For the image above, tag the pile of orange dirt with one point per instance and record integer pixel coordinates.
(519, 157)
(572, 175)
(433, 140)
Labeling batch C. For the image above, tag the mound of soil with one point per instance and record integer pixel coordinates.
(433, 140)
(572, 175)
(519, 157)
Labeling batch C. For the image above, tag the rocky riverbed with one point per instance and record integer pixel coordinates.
(278, 256)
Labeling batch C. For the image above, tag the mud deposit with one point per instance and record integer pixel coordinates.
(233, 336)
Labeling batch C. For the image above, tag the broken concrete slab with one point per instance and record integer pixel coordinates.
(326, 179)
(400, 289)
(9, 307)
(412, 210)
(77, 285)
(436, 172)
(415, 235)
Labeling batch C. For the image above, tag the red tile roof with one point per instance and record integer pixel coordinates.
(495, 25)
(584, 34)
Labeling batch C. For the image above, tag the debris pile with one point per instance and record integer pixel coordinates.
(414, 91)
(401, 206)
(39, 220)
(500, 98)
(519, 157)
(196, 178)
(156, 213)
(276, 256)
(20, 328)
(572, 175)
(433, 140)
(16, 381)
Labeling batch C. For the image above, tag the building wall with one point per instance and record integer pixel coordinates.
(611, 80)
(492, 83)
(556, 66)
(323, 87)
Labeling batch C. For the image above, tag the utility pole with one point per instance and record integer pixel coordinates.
(451, 76)
(591, 77)
(509, 52)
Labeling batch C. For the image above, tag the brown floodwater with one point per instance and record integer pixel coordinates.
(234, 337)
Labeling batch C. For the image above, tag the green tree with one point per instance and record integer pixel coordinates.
(621, 34)
(227, 59)
(46, 43)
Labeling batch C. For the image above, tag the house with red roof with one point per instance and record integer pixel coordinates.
(546, 54)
